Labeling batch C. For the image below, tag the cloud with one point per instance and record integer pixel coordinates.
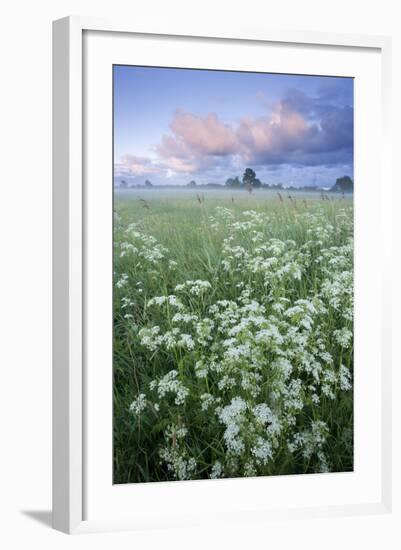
(195, 141)
(297, 101)
(299, 130)
(180, 165)
(136, 166)
(271, 138)
(336, 91)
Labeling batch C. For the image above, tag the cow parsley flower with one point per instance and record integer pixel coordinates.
(262, 413)
(262, 451)
(217, 470)
(139, 404)
(170, 384)
(196, 288)
(345, 378)
(343, 337)
(186, 341)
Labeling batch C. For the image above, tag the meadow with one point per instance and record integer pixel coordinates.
(233, 334)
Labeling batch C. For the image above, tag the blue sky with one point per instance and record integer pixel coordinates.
(172, 126)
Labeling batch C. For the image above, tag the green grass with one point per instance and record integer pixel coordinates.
(314, 237)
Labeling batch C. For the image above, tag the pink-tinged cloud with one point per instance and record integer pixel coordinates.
(194, 136)
(177, 164)
(138, 166)
(196, 143)
(282, 131)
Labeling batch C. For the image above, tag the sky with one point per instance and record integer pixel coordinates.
(172, 126)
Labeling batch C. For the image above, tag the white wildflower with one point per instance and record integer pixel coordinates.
(139, 404)
(345, 378)
(170, 384)
(217, 470)
(262, 451)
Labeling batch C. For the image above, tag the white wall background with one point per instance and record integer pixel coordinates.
(25, 217)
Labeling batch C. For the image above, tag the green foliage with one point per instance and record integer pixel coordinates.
(249, 181)
(232, 336)
(343, 185)
(234, 182)
(249, 178)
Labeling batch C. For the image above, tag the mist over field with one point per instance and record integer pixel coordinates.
(223, 194)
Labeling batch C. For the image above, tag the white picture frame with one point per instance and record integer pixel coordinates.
(70, 285)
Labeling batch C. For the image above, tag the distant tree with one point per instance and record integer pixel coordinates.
(123, 184)
(192, 183)
(257, 183)
(249, 179)
(233, 182)
(343, 185)
(148, 183)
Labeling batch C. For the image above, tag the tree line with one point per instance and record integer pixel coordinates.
(249, 181)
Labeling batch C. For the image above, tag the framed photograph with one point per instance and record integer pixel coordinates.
(221, 308)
